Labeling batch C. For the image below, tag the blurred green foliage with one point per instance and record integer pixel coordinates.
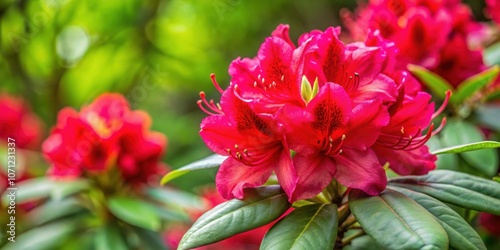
(158, 53)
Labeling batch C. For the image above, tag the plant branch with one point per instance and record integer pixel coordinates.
(349, 239)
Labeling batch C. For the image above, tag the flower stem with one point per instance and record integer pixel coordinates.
(349, 239)
(467, 215)
(343, 213)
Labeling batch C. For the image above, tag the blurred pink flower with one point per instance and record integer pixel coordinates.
(104, 135)
(491, 223)
(493, 10)
(19, 123)
(433, 34)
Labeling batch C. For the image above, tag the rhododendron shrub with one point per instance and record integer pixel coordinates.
(102, 184)
(437, 35)
(317, 125)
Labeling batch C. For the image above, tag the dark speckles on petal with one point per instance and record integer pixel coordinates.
(328, 117)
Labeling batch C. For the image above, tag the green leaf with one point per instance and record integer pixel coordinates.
(462, 236)
(172, 197)
(364, 242)
(212, 161)
(135, 212)
(467, 147)
(493, 96)
(458, 132)
(41, 188)
(170, 214)
(456, 188)
(52, 210)
(47, 237)
(307, 227)
(62, 189)
(489, 116)
(434, 82)
(110, 237)
(473, 84)
(497, 179)
(491, 54)
(259, 207)
(395, 221)
(444, 161)
(31, 189)
(149, 240)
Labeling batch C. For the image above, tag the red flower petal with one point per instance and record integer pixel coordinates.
(233, 176)
(361, 170)
(314, 172)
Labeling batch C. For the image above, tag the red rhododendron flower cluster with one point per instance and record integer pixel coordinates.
(246, 240)
(491, 223)
(437, 35)
(103, 135)
(17, 122)
(342, 108)
(493, 10)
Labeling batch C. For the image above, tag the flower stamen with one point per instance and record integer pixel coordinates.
(213, 108)
(216, 85)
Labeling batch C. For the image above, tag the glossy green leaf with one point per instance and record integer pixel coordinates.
(462, 236)
(395, 221)
(444, 161)
(434, 82)
(364, 242)
(467, 147)
(458, 132)
(259, 207)
(135, 212)
(212, 161)
(110, 237)
(307, 227)
(473, 84)
(456, 188)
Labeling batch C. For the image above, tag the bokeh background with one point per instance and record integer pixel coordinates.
(158, 53)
